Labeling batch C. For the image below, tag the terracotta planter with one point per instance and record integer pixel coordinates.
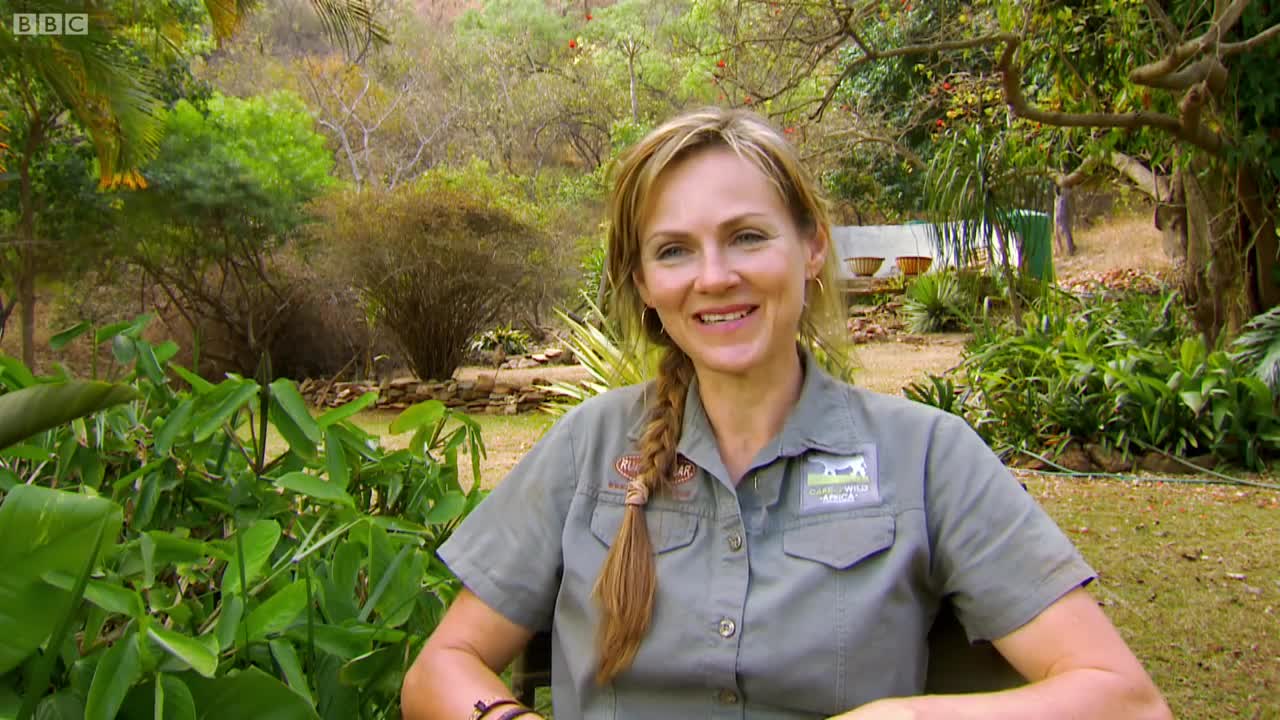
(914, 264)
(864, 266)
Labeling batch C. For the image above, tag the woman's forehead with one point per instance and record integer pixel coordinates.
(716, 182)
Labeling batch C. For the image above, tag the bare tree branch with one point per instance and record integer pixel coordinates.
(1162, 20)
(1208, 68)
(1011, 82)
(1235, 48)
(1079, 175)
(1146, 180)
(1149, 73)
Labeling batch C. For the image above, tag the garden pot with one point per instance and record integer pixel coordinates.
(864, 266)
(914, 264)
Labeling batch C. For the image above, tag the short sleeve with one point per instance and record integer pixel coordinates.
(998, 557)
(508, 550)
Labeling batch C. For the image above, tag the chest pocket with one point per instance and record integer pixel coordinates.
(840, 542)
(668, 529)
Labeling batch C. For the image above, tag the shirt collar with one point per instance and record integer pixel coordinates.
(821, 420)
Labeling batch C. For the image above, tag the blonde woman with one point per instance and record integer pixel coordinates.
(745, 536)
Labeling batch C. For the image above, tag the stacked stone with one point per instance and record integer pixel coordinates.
(482, 396)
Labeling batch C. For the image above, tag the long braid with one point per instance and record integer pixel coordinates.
(627, 586)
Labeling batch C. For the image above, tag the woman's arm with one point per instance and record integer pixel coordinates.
(460, 662)
(1078, 665)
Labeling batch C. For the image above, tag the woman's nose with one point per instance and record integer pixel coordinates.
(715, 274)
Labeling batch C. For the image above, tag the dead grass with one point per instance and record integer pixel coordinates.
(1126, 241)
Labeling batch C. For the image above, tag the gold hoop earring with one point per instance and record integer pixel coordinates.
(821, 287)
(644, 319)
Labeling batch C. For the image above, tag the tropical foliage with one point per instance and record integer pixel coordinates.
(1115, 372)
(202, 549)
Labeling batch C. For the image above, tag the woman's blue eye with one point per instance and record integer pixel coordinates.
(669, 251)
(750, 236)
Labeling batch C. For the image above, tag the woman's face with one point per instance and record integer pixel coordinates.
(724, 265)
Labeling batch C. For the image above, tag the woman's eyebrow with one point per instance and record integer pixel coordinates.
(677, 234)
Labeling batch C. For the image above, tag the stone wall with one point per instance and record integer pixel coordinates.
(478, 397)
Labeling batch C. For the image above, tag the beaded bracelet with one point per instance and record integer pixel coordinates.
(481, 707)
(517, 712)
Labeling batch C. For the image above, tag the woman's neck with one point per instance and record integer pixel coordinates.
(747, 411)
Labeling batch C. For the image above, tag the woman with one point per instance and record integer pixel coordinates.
(746, 536)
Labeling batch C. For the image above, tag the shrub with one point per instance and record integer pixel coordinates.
(437, 263)
(933, 303)
(504, 337)
(1120, 373)
(189, 558)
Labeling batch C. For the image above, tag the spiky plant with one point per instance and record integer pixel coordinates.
(1258, 347)
(933, 303)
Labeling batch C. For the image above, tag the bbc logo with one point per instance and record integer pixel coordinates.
(50, 24)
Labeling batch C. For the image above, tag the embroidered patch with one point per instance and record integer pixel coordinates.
(840, 482)
(628, 466)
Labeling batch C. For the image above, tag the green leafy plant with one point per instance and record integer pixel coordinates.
(186, 548)
(1119, 373)
(504, 337)
(933, 303)
(599, 350)
(1258, 347)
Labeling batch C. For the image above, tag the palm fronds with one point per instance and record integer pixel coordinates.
(1259, 346)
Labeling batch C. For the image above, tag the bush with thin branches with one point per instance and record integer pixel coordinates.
(437, 264)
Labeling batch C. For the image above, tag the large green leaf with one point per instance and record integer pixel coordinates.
(112, 597)
(62, 338)
(259, 541)
(314, 487)
(423, 414)
(187, 649)
(62, 705)
(34, 409)
(289, 402)
(342, 412)
(44, 531)
(286, 657)
(231, 396)
(119, 669)
(277, 613)
(248, 694)
(335, 459)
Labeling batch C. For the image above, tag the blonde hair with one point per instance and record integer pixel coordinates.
(627, 586)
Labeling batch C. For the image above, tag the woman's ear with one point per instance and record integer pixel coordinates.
(818, 244)
(637, 278)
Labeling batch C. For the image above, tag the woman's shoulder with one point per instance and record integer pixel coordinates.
(614, 410)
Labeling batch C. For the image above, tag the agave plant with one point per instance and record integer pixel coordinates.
(933, 303)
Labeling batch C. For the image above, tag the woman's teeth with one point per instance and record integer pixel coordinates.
(712, 318)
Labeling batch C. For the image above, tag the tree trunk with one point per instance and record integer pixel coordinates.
(25, 264)
(27, 300)
(1203, 219)
(1063, 218)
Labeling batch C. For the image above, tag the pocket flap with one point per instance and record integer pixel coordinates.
(840, 542)
(668, 529)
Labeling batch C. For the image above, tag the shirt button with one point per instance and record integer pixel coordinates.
(727, 697)
(727, 628)
(735, 542)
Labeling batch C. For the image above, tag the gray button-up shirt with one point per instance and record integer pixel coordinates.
(805, 591)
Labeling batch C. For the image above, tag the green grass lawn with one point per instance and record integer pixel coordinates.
(1191, 576)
